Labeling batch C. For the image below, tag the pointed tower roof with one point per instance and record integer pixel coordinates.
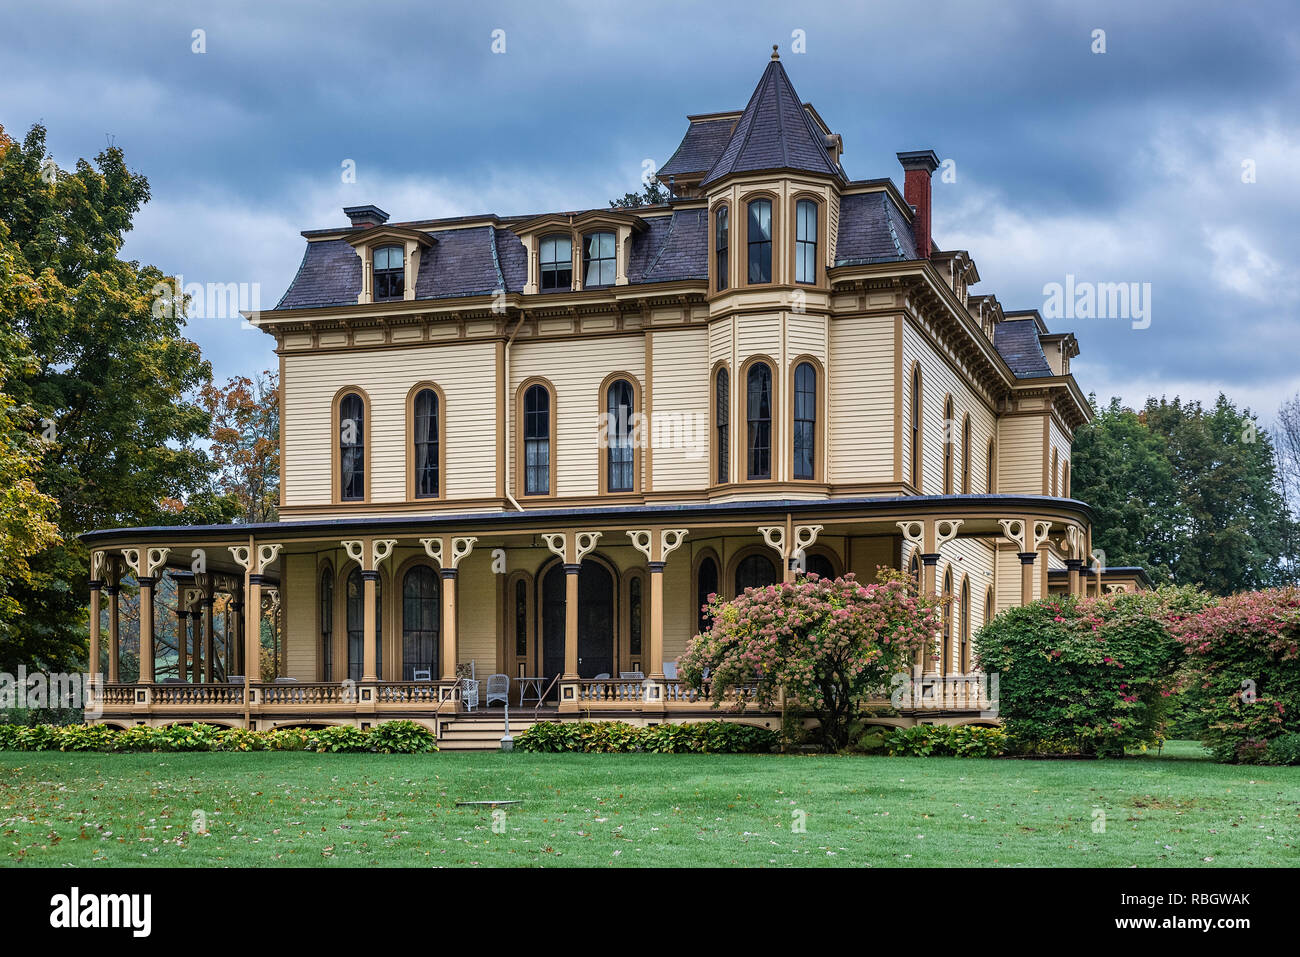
(774, 132)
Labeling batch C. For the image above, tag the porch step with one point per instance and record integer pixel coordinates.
(479, 732)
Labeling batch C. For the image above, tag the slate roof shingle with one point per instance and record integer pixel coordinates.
(700, 148)
(872, 230)
(1017, 342)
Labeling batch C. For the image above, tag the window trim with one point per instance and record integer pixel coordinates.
(915, 398)
(409, 442)
(573, 265)
(965, 453)
(727, 587)
(1065, 479)
(602, 456)
(508, 650)
(374, 272)
(583, 259)
(1056, 464)
(963, 626)
(714, 451)
(740, 402)
(991, 463)
(819, 267)
(336, 462)
(949, 442)
(624, 657)
(398, 633)
(945, 657)
(721, 283)
(325, 572)
(774, 240)
(819, 421)
(521, 461)
(697, 562)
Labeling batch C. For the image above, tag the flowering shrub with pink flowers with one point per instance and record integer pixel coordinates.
(1090, 676)
(827, 644)
(1243, 675)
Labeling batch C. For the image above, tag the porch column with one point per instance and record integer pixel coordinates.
(369, 582)
(114, 632)
(1027, 577)
(182, 641)
(235, 635)
(92, 666)
(251, 647)
(1075, 565)
(656, 669)
(196, 643)
(929, 570)
(571, 621)
(205, 606)
(146, 583)
(449, 651)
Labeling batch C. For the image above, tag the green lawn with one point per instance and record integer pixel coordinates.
(266, 809)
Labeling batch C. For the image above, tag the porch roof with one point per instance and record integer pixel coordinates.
(878, 508)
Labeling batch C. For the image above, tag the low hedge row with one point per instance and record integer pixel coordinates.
(391, 737)
(933, 740)
(609, 737)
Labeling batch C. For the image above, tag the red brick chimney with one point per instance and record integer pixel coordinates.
(918, 165)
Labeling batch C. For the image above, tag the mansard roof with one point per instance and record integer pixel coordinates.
(1016, 340)
(774, 132)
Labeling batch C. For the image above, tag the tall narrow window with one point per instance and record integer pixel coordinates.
(722, 422)
(915, 425)
(760, 241)
(555, 261)
(964, 611)
(992, 466)
(356, 612)
(720, 248)
(965, 454)
(949, 437)
(759, 419)
(635, 612)
(425, 438)
(389, 273)
(327, 625)
(537, 441)
(598, 267)
(805, 420)
(946, 664)
(1065, 480)
(352, 448)
(618, 436)
(1054, 472)
(805, 241)
(706, 584)
(421, 618)
(521, 620)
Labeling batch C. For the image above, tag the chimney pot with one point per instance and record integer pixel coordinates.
(917, 166)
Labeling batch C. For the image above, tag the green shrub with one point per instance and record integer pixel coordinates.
(340, 739)
(403, 737)
(1092, 675)
(1283, 750)
(607, 737)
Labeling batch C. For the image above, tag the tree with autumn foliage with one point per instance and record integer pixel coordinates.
(831, 644)
(246, 442)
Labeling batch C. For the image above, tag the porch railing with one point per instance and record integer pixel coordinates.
(611, 689)
(308, 692)
(183, 695)
(407, 692)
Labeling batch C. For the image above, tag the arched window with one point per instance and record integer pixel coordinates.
(819, 565)
(989, 610)
(949, 437)
(721, 239)
(618, 436)
(755, 571)
(992, 468)
(805, 241)
(914, 568)
(965, 454)
(389, 273)
(945, 665)
(352, 448)
(537, 441)
(598, 267)
(327, 624)
(356, 615)
(758, 417)
(914, 423)
(722, 422)
(759, 238)
(421, 619)
(424, 438)
(706, 584)
(964, 610)
(555, 262)
(521, 620)
(805, 420)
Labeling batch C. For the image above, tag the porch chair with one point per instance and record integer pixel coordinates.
(498, 689)
(421, 674)
(468, 685)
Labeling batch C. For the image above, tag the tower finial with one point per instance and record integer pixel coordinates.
(775, 54)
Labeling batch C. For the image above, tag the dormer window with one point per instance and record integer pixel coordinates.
(390, 273)
(598, 266)
(556, 262)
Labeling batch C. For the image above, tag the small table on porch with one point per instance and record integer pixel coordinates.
(534, 682)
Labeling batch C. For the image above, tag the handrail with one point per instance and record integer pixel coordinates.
(542, 696)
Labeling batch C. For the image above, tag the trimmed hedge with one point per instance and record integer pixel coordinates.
(391, 737)
(945, 741)
(611, 737)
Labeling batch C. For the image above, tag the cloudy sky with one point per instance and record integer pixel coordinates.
(1118, 166)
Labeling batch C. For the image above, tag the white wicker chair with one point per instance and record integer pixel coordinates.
(498, 689)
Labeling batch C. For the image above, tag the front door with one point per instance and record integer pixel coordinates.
(595, 621)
